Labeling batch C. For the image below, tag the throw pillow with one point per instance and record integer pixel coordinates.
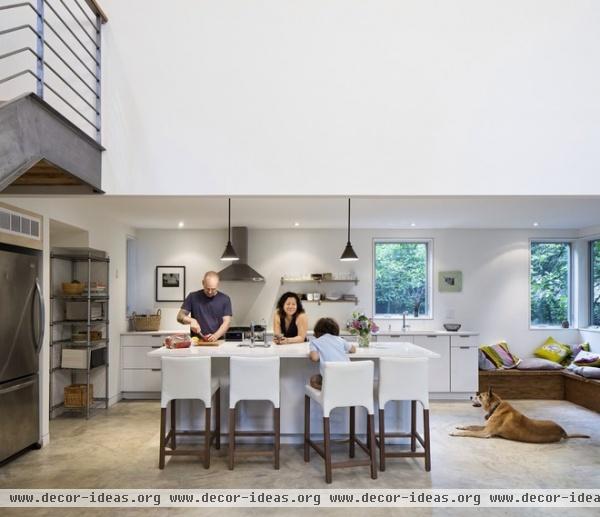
(575, 349)
(587, 359)
(484, 363)
(500, 355)
(537, 363)
(552, 350)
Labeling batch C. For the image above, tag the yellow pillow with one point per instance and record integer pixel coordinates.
(552, 350)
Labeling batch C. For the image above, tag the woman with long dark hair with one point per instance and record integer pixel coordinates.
(290, 323)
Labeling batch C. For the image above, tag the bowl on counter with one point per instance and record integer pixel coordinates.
(452, 327)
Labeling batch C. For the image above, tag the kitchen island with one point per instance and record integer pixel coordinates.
(295, 370)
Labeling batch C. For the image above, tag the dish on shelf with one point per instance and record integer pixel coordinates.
(333, 297)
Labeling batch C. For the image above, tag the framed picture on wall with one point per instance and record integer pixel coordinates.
(170, 283)
(450, 281)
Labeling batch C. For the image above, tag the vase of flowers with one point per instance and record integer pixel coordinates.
(362, 326)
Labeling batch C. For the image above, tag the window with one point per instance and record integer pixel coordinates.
(550, 283)
(595, 283)
(402, 272)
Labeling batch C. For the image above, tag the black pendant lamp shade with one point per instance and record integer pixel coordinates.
(348, 253)
(229, 254)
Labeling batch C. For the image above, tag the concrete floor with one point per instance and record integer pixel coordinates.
(119, 449)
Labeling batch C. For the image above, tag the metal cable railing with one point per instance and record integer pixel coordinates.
(68, 76)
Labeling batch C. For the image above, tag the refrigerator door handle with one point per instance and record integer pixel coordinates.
(42, 320)
(17, 387)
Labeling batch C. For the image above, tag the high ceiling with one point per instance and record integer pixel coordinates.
(330, 212)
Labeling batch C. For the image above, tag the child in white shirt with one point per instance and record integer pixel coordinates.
(327, 345)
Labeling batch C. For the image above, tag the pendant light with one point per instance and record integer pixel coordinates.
(348, 254)
(229, 254)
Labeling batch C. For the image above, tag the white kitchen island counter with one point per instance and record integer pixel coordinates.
(295, 351)
(295, 370)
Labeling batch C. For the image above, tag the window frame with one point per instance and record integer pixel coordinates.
(429, 242)
(569, 288)
(591, 244)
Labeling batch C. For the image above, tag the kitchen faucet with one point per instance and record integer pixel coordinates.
(404, 325)
(252, 334)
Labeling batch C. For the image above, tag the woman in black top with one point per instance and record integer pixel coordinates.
(290, 323)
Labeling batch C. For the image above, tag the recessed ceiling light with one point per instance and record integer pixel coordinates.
(296, 224)
(413, 224)
(181, 224)
(536, 224)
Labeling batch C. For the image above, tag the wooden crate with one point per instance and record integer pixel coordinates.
(75, 395)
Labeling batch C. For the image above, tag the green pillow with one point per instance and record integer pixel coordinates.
(553, 350)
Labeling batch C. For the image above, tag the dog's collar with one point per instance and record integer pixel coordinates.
(491, 411)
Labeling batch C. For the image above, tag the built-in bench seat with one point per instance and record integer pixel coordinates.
(543, 384)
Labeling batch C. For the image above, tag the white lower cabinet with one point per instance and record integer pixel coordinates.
(140, 374)
(137, 381)
(439, 369)
(464, 368)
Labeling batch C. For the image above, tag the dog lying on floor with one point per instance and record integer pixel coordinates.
(504, 421)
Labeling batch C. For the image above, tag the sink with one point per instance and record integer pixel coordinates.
(255, 345)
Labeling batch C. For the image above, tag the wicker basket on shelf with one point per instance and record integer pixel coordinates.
(73, 288)
(75, 395)
(146, 322)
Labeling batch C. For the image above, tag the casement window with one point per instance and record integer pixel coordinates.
(402, 272)
(550, 283)
(595, 283)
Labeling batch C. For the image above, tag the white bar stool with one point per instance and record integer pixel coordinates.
(254, 378)
(188, 378)
(345, 384)
(404, 379)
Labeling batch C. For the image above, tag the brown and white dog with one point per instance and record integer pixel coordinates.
(504, 421)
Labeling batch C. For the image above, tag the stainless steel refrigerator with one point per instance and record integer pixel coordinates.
(21, 336)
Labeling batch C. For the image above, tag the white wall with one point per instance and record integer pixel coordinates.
(105, 234)
(495, 265)
(351, 97)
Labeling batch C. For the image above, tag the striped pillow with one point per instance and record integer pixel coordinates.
(500, 355)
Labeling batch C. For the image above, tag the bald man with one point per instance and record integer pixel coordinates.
(208, 311)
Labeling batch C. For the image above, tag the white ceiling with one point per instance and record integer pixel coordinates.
(330, 212)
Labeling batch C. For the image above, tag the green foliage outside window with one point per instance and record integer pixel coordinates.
(595, 259)
(549, 282)
(401, 278)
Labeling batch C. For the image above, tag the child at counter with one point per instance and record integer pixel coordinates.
(327, 345)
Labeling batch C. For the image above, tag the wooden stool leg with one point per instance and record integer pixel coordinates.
(371, 434)
(218, 419)
(327, 444)
(413, 425)
(173, 424)
(276, 424)
(306, 427)
(427, 440)
(163, 431)
(207, 417)
(352, 431)
(231, 436)
(381, 440)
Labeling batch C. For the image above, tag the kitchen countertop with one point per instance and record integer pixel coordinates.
(300, 350)
(394, 333)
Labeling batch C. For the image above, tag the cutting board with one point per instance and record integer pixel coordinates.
(210, 343)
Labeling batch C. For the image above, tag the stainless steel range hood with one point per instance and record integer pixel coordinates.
(240, 271)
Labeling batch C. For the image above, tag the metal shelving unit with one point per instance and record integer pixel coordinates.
(86, 265)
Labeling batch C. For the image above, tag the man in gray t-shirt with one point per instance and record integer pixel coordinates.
(208, 311)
